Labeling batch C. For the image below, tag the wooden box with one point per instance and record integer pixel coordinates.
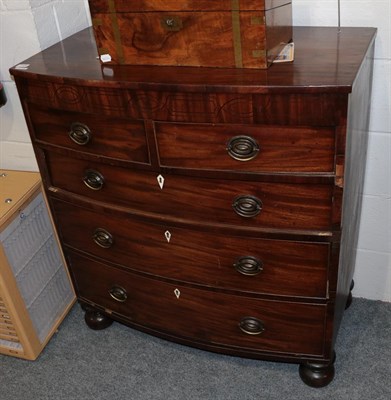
(35, 288)
(205, 33)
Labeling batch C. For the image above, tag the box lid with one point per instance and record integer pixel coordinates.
(15, 188)
(122, 6)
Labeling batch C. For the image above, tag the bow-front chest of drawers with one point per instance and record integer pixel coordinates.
(217, 208)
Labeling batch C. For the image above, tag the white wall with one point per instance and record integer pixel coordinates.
(373, 266)
(27, 26)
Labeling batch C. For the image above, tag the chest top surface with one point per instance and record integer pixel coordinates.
(325, 60)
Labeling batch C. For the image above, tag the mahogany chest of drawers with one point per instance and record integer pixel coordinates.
(217, 208)
(246, 33)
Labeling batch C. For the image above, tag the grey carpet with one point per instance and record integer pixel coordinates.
(121, 363)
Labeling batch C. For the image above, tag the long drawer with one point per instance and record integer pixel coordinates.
(230, 202)
(208, 316)
(278, 267)
(284, 109)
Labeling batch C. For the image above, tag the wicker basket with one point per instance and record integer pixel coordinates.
(35, 288)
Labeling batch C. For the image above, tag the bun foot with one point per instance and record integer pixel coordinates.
(317, 374)
(96, 320)
(350, 296)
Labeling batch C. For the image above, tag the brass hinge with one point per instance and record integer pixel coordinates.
(259, 53)
(96, 21)
(256, 20)
(237, 40)
(339, 172)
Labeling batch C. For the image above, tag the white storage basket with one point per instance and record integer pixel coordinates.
(35, 289)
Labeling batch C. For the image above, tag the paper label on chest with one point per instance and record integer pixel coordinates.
(206, 33)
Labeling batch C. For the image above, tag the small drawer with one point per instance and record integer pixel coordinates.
(246, 148)
(202, 315)
(117, 138)
(278, 267)
(225, 202)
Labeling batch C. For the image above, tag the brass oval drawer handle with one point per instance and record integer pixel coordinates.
(80, 133)
(93, 179)
(118, 293)
(243, 148)
(248, 265)
(251, 326)
(247, 206)
(103, 238)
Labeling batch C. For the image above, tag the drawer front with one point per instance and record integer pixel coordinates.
(117, 138)
(246, 147)
(277, 267)
(203, 315)
(247, 204)
(194, 107)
